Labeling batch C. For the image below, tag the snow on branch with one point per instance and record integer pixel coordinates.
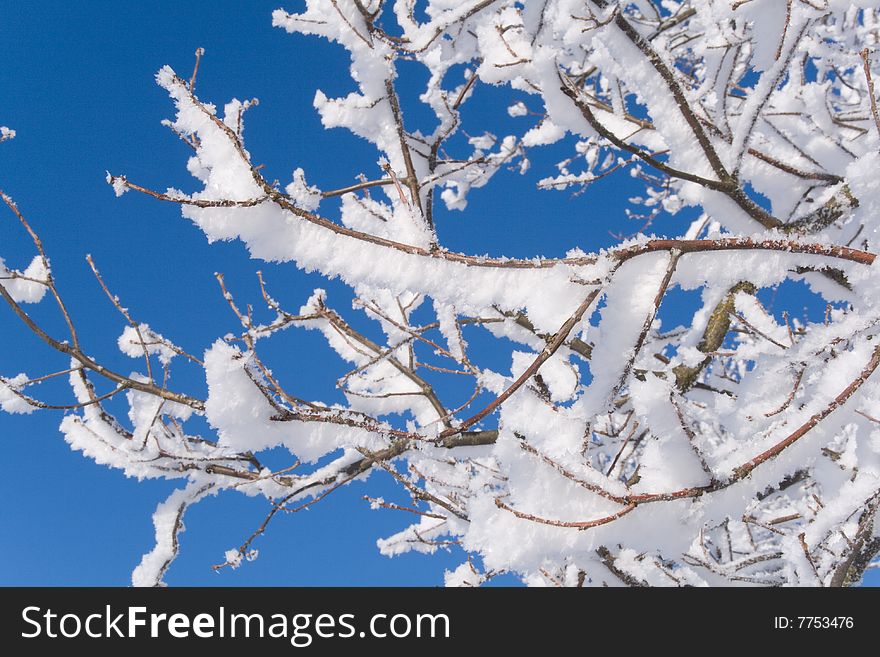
(736, 443)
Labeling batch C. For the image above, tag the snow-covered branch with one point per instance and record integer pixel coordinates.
(739, 445)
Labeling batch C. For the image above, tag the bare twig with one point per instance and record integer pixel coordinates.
(866, 64)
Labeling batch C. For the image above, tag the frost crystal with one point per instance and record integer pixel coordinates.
(621, 439)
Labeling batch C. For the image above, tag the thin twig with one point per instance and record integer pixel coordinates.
(866, 64)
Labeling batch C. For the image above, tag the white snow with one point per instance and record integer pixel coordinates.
(646, 450)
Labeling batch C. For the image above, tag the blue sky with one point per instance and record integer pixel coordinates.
(76, 83)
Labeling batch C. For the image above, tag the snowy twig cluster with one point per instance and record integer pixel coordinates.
(737, 447)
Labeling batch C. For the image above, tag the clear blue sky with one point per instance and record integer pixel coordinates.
(76, 83)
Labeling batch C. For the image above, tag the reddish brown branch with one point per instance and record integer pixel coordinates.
(799, 433)
(866, 64)
(397, 507)
(90, 364)
(552, 347)
(746, 244)
(115, 301)
(572, 524)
